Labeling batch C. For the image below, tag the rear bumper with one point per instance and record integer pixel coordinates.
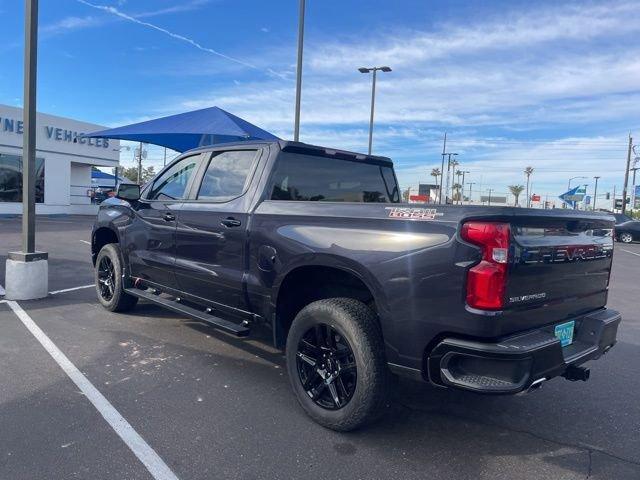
(520, 362)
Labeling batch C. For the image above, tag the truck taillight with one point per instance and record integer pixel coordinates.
(486, 282)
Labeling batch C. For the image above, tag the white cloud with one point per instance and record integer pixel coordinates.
(68, 24)
(571, 68)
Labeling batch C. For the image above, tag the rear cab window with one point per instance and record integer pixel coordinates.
(312, 178)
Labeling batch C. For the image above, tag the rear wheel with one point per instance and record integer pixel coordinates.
(625, 237)
(108, 279)
(336, 364)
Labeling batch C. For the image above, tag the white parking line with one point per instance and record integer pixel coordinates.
(85, 241)
(141, 449)
(632, 253)
(65, 290)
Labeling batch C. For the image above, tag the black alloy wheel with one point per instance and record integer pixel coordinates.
(106, 278)
(326, 367)
(109, 280)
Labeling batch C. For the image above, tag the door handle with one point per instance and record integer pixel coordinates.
(169, 217)
(230, 222)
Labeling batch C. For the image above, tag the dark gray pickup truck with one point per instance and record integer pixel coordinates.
(356, 286)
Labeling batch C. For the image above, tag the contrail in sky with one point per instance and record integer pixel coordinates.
(115, 11)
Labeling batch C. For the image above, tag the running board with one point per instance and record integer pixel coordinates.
(222, 324)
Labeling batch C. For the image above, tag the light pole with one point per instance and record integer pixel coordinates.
(444, 149)
(569, 188)
(470, 185)
(115, 169)
(296, 126)
(446, 190)
(595, 193)
(27, 271)
(373, 70)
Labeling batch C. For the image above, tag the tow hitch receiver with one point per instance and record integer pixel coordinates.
(575, 373)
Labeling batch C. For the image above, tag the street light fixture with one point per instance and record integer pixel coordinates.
(573, 178)
(373, 70)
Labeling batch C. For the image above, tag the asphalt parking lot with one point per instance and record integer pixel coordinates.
(214, 406)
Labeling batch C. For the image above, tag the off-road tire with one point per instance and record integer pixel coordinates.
(120, 301)
(359, 325)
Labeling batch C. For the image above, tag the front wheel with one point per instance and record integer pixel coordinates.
(108, 279)
(625, 237)
(336, 363)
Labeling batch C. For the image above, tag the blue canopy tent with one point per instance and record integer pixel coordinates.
(185, 131)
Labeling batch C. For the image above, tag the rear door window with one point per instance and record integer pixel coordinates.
(323, 179)
(227, 175)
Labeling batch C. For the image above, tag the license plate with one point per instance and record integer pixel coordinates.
(564, 333)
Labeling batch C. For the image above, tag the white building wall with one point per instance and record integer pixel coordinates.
(68, 159)
(80, 180)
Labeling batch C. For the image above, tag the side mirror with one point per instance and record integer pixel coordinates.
(128, 191)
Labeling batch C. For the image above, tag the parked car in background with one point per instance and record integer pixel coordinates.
(628, 232)
(621, 218)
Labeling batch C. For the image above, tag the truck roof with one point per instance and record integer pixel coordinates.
(300, 147)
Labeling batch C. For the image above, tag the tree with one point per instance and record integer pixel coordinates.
(435, 172)
(132, 174)
(528, 171)
(516, 190)
(459, 174)
(454, 164)
(457, 195)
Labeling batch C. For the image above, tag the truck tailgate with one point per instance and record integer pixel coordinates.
(559, 262)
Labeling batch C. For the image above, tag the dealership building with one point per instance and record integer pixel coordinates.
(64, 161)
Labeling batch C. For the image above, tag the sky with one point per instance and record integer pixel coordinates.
(547, 84)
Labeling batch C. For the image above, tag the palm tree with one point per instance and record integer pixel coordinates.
(454, 164)
(435, 172)
(459, 174)
(457, 196)
(516, 190)
(528, 171)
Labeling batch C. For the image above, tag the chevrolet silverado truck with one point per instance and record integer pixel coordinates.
(356, 287)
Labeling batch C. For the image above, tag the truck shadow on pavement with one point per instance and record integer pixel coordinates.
(161, 375)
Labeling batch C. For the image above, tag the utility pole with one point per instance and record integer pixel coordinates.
(444, 149)
(626, 176)
(595, 193)
(490, 190)
(470, 185)
(296, 126)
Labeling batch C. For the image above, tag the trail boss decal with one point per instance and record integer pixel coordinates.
(413, 213)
